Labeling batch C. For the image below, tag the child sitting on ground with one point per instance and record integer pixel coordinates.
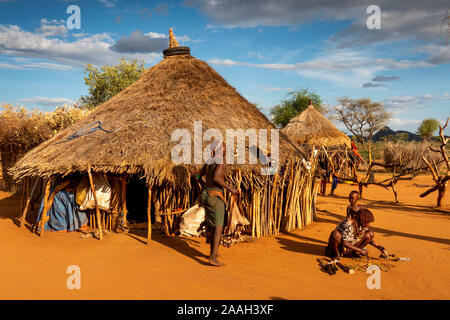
(352, 234)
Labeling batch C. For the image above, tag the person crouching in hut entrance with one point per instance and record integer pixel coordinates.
(212, 197)
(352, 234)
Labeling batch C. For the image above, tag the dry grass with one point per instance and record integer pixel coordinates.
(21, 130)
(171, 95)
(406, 155)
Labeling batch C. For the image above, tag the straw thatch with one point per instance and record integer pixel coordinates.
(139, 123)
(311, 128)
(170, 95)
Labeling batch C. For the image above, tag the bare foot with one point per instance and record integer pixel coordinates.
(217, 263)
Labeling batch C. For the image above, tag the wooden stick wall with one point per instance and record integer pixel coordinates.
(272, 204)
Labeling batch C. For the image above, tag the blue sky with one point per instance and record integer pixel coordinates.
(263, 48)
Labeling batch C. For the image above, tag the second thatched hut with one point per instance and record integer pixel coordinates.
(312, 132)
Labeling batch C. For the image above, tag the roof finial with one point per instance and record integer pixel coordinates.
(172, 41)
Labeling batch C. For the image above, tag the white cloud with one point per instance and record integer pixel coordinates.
(407, 104)
(47, 102)
(95, 49)
(52, 28)
(445, 96)
(397, 24)
(410, 124)
(402, 122)
(156, 35)
(255, 55)
(270, 89)
(109, 3)
(427, 96)
(416, 19)
(5, 65)
(438, 54)
(344, 67)
(20, 63)
(330, 65)
(210, 27)
(402, 99)
(184, 38)
(50, 42)
(140, 43)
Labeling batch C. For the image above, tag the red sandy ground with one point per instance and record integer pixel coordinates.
(282, 267)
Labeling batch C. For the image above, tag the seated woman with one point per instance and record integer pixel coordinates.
(352, 234)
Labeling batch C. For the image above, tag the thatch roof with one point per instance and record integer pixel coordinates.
(170, 95)
(311, 128)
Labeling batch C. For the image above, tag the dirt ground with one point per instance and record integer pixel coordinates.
(281, 267)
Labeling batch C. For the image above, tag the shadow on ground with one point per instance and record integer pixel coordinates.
(301, 247)
(9, 207)
(184, 246)
(384, 231)
(392, 205)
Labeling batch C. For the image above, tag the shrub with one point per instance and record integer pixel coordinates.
(21, 130)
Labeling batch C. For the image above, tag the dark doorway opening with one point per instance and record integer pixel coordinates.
(137, 199)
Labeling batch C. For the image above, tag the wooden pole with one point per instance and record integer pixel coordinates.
(97, 210)
(124, 198)
(52, 196)
(29, 197)
(253, 203)
(149, 215)
(91, 221)
(24, 190)
(44, 211)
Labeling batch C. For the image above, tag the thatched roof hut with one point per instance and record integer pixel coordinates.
(170, 95)
(312, 131)
(311, 128)
(136, 141)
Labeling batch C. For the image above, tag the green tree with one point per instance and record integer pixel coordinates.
(294, 103)
(107, 81)
(427, 128)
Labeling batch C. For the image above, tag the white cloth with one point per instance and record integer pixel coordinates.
(102, 191)
(191, 220)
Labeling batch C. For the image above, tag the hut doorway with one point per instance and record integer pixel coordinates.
(137, 199)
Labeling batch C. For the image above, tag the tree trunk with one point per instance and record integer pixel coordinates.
(360, 186)
(395, 193)
(441, 195)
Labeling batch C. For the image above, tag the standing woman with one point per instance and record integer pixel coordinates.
(212, 197)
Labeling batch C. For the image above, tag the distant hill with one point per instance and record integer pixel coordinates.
(387, 133)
